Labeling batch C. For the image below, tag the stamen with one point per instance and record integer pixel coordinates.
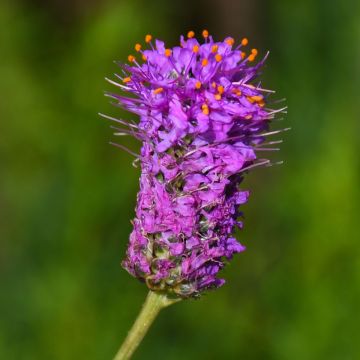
(131, 58)
(205, 34)
(218, 96)
(251, 57)
(190, 34)
(148, 38)
(158, 90)
(204, 62)
(254, 51)
(137, 47)
(220, 89)
(248, 117)
(213, 84)
(126, 80)
(198, 85)
(205, 109)
(230, 41)
(195, 49)
(243, 55)
(244, 41)
(168, 52)
(214, 48)
(218, 57)
(144, 57)
(257, 98)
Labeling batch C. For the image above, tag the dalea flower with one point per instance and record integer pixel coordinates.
(202, 122)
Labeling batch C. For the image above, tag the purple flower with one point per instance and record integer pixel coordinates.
(203, 121)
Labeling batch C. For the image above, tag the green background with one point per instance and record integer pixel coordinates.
(67, 197)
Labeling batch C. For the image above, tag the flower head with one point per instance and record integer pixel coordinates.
(202, 123)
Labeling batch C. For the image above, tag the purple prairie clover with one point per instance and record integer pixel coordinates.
(202, 122)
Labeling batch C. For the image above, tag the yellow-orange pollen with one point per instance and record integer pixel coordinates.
(198, 85)
(190, 34)
(255, 99)
(230, 41)
(137, 47)
(253, 54)
(218, 57)
(204, 62)
(205, 109)
(205, 34)
(243, 55)
(158, 90)
(148, 38)
(195, 49)
(244, 41)
(236, 91)
(213, 84)
(220, 89)
(144, 57)
(126, 80)
(214, 48)
(218, 96)
(168, 52)
(131, 58)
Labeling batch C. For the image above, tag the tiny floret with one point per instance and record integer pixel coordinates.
(203, 121)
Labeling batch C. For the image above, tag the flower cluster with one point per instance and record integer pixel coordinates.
(202, 122)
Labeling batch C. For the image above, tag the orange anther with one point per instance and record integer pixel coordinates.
(261, 103)
(131, 58)
(257, 98)
(218, 97)
(148, 38)
(254, 51)
(198, 85)
(248, 117)
(244, 41)
(251, 57)
(250, 99)
(190, 34)
(214, 48)
(144, 57)
(195, 49)
(137, 47)
(168, 52)
(218, 57)
(126, 80)
(205, 34)
(158, 90)
(220, 89)
(204, 62)
(230, 41)
(205, 109)
(213, 84)
(243, 55)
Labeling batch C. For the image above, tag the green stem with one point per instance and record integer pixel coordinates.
(153, 304)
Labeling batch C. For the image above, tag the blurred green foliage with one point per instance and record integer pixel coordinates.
(66, 196)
